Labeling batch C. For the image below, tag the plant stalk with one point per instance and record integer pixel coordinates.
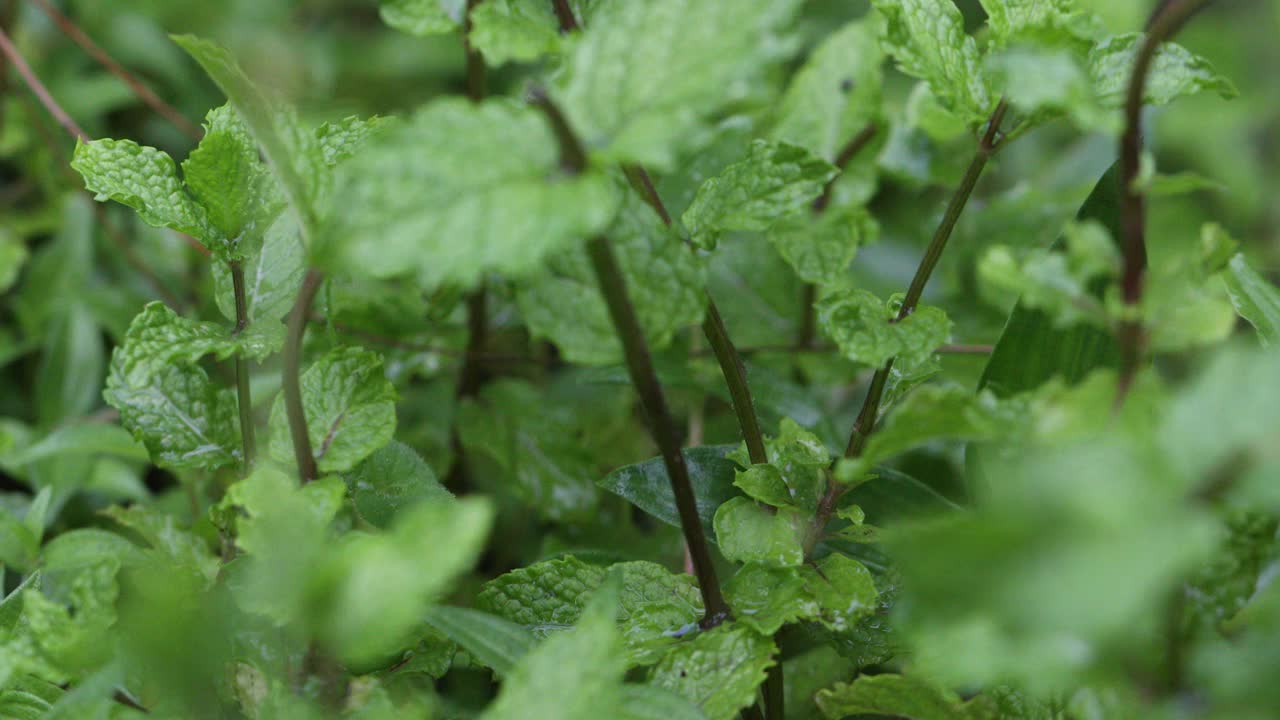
(613, 286)
(289, 381)
(248, 439)
(1169, 17)
(867, 416)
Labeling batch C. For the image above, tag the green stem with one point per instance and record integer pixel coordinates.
(1169, 17)
(867, 416)
(289, 381)
(248, 439)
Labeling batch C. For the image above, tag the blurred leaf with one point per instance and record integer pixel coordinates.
(423, 184)
(820, 247)
(1174, 73)
(900, 696)
(393, 478)
(70, 373)
(646, 119)
(91, 438)
(423, 17)
(773, 181)
(1257, 300)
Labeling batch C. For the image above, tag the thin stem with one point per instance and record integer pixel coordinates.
(144, 93)
(8, 18)
(867, 416)
(248, 439)
(809, 293)
(289, 381)
(775, 699)
(564, 13)
(41, 92)
(613, 286)
(1169, 17)
(473, 372)
(640, 366)
(735, 378)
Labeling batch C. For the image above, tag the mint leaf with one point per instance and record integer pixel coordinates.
(423, 17)
(379, 585)
(834, 94)
(1255, 299)
(273, 273)
(576, 675)
(748, 532)
(773, 181)
(819, 247)
(646, 117)
(511, 419)
(184, 420)
(839, 592)
(158, 335)
(765, 598)
(794, 475)
(274, 129)
(146, 180)
(350, 410)
(546, 598)
(82, 439)
(865, 329)
(417, 188)
(514, 31)
(394, 477)
(664, 281)
(897, 695)
(718, 670)
(1176, 72)
(927, 39)
(1043, 22)
(225, 176)
(647, 487)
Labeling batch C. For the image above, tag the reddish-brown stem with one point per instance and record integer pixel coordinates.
(290, 384)
(144, 93)
(41, 92)
(1168, 18)
(564, 13)
(867, 416)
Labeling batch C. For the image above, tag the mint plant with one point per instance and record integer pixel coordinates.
(478, 435)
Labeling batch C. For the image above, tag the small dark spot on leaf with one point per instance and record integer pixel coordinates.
(846, 85)
(684, 673)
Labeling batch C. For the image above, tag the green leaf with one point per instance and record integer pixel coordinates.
(67, 381)
(146, 180)
(184, 420)
(820, 247)
(1255, 299)
(1047, 82)
(935, 412)
(576, 675)
(927, 39)
(412, 192)
(536, 443)
(794, 475)
(350, 409)
(1175, 72)
(514, 31)
(748, 532)
(496, 643)
(82, 439)
(642, 702)
(184, 551)
(900, 696)
(1031, 350)
(773, 181)
(13, 256)
(839, 592)
(273, 273)
(646, 118)
(276, 132)
(226, 177)
(18, 544)
(893, 496)
(764, 598)
(665, 282)
(423, 17)
(394, 477)
(655, 607)
(379, 585)
(159, 335)
(1045, 22)
(834, 94)
(647, 486)
(718, 671)
(864, 328)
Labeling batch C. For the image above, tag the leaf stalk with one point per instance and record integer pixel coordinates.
(289, 381)
(248, 438)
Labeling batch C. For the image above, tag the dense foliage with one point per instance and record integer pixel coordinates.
(639, 359)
